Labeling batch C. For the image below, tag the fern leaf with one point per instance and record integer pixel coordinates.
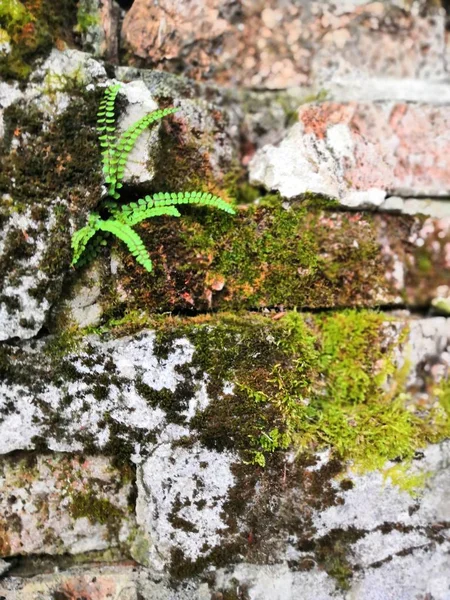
(132, 216)
(93, 248)
(105, 120)
(165, 199)
(134, 243)
(116, 168)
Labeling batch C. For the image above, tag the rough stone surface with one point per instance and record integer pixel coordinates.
(359, 152)
(57, 504)
(34, 208)
(98, 25)
(277, 45)
(177, 486)
(276, 454)
(50, 129)
(21, 313)
(117, 395)
(414, 206)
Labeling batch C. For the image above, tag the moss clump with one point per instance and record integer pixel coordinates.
(332, 552)
(33, 27)
(338, 388)
(309, 382)
(97, 510)
(58, 157)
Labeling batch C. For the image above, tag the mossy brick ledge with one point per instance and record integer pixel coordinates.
(268, 256)
(283, 372)
(200, 404)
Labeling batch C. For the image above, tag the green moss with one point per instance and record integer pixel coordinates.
(86, 19)
(424, 262)
(402, 476)
(332, 551)
(33, 27)
(68, 340)
(97, 510)
(341, 390)
(245, 193)
(308, 382)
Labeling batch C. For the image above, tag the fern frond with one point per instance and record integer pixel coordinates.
(106, 125)
(81, 237)
(93, 248)
(133, 213)
(116, 168)
(165, 199)
(87, 241)
(130, 238)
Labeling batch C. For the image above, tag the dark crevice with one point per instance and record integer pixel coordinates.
(425, 310)
(446, 7)
(125, 4)
(40, 564)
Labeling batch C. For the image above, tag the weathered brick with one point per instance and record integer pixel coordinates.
(276, 45)
(360, 152)
(190, 402)
(271, 257)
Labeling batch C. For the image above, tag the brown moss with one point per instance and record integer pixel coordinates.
(33, 27)
(264, 256)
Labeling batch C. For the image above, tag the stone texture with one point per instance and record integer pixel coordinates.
(181, 494)
(413, 206)
(98, 25)
(132, 456)
(57, 505)
(278, 45)
(96, 584)
(148, 399)
(359, 152)
(35, 207)
(385, 89)
(400, 548)
(22, 313)
(85, 310)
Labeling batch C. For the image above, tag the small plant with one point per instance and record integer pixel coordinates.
(120, 220)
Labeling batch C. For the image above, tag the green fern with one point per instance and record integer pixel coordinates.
(87, 241)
